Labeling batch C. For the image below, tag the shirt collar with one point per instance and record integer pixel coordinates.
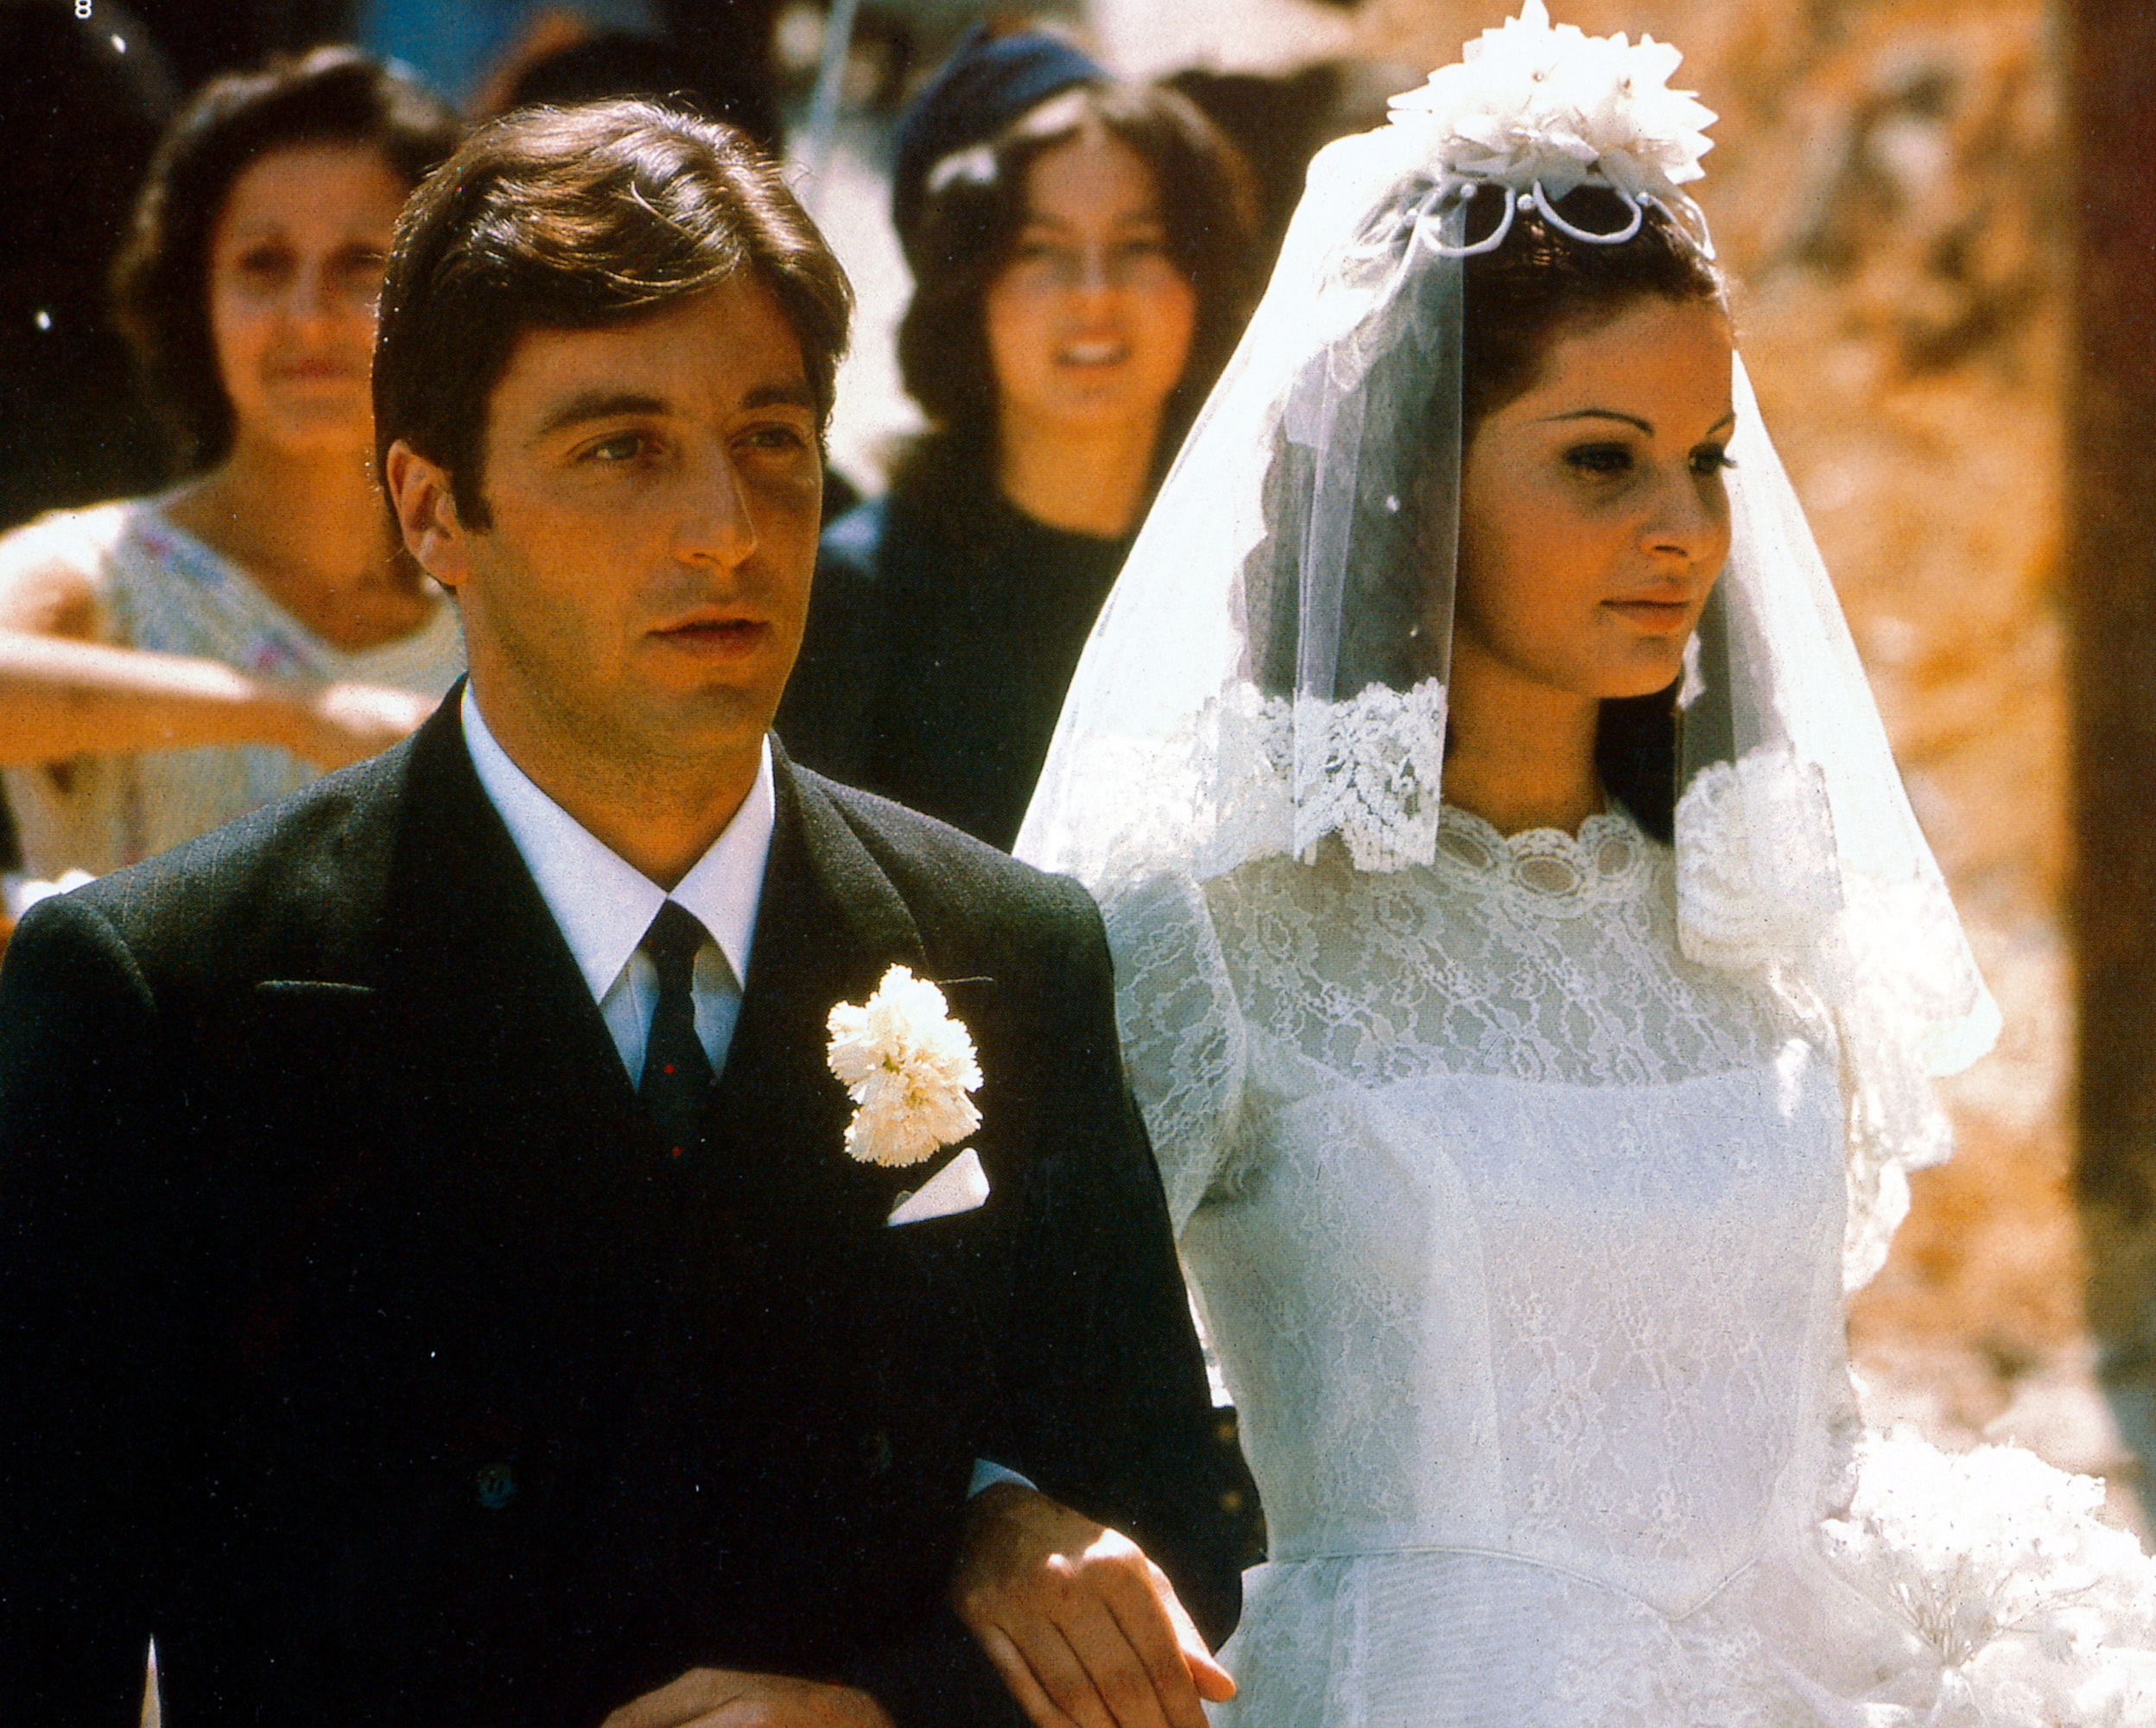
(603, 903)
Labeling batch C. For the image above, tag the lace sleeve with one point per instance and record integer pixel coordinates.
(1183, 1038)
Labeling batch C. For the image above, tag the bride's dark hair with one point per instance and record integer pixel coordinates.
(1517, 301)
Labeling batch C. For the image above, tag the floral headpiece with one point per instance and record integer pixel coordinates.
(1537, 111)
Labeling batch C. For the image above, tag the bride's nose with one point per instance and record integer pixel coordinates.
(1688, 518)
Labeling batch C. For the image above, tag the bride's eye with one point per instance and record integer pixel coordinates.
(1711, 460)
(1600, 459)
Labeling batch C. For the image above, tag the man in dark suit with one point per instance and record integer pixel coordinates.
(435, 1283)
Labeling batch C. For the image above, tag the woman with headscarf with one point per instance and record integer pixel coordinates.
(1080, 258)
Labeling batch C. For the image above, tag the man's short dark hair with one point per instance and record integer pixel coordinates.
(576, 218)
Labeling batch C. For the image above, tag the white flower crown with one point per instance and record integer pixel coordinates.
(1537, 111)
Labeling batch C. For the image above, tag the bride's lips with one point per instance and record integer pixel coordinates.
(1655, 613)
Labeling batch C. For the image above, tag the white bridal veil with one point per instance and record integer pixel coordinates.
(1269, 671)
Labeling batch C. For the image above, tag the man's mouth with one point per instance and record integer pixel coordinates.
(1655, 614)
(715, 636)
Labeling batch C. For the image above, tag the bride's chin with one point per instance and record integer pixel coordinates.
(1646, 675)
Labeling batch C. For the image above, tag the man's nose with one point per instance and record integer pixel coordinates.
(719, 527)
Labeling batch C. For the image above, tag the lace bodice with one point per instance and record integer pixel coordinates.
(1540, 957)
(1518, 1236)
(1514, 1230)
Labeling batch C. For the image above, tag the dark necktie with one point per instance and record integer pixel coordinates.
(676, 1071)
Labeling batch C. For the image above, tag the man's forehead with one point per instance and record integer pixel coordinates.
(728, 348)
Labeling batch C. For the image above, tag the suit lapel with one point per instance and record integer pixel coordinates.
(499, 1015)
(508, 1053)
(828, 926)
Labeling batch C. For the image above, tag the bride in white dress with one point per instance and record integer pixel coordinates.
(1523, 1142)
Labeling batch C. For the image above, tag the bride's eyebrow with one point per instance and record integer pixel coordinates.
(1646, 426)
(1600, 413)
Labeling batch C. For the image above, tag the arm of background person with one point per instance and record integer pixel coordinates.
(63, 693)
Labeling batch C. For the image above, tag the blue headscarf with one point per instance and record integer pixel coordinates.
(988, 82)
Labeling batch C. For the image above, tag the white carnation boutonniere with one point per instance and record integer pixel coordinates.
(1532, 105)
(907, 1064)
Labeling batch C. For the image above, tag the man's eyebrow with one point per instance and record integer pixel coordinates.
(1728, 419)
(589, 405)
(795, 393)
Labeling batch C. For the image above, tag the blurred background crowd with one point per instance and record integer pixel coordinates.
(1890, 187)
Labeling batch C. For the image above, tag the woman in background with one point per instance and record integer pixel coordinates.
(170, 662)
(1082, 262)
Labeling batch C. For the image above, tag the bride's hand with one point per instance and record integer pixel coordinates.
(1083, 1628)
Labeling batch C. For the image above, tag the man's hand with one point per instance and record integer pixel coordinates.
(721, 1697)
(1084, 1629)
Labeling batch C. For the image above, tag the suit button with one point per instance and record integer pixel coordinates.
(876, 1454)
(497, 1486)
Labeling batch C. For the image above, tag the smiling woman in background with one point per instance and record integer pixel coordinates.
(171, 662)
(1081, 260)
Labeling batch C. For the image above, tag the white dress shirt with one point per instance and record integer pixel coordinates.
(603, 904)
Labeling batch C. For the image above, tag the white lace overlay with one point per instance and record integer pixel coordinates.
(1519, 1236)
(1367, 770)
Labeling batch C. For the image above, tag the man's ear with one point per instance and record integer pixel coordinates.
(427, 513)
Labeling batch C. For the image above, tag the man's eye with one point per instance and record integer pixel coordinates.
(264, 261)
(622, 447)
(1600, 459)
(777, 437)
